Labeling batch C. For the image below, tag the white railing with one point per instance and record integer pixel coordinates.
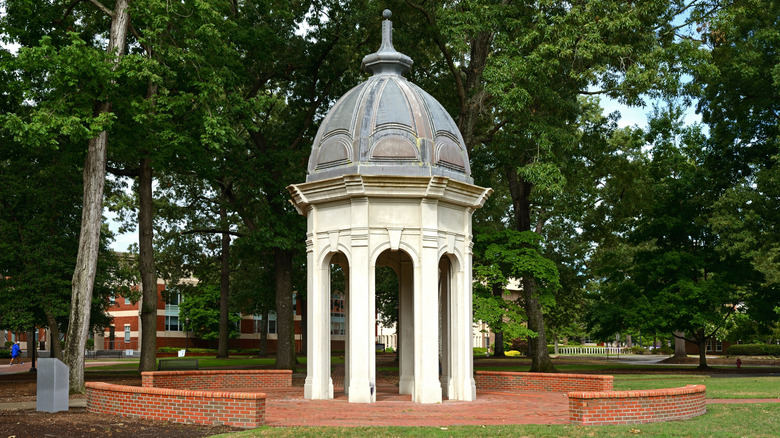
(593, 350)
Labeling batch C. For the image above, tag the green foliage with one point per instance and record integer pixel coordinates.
(754, 350)
(200, 304)
(5, 354)
(90, 344)
(513, 353)
(480, 352)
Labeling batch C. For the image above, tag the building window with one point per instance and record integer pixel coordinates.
(718, 345)
(709, 345)
(338, 320)
(127, 333)
(271, 323)
(172, 324)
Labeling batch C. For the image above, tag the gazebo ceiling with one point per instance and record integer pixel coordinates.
(388, 126)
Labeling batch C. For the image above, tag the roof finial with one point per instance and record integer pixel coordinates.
(387, 60)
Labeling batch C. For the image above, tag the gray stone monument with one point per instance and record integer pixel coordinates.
(52, 386)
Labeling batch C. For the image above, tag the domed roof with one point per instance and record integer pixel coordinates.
(388, 126)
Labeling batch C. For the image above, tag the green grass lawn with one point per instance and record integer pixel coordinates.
(717, 387)
(739, 420)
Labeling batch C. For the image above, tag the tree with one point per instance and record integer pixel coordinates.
(75, 98)
(200, 306)
(518, 70)
(670, 275)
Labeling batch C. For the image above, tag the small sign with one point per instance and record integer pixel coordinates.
(181, 353)
(128, 353)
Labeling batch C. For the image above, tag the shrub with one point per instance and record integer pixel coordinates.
(638, 350)
(5, 354)
(663, 350)
(8, 344)
(479, 351)
(551, 349)
(513, 353)
(389, 350)
(754, 350)
(90, 344)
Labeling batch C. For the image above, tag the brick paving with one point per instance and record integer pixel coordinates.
(287, 407)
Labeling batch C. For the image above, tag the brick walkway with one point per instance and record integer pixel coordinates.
(289, 408)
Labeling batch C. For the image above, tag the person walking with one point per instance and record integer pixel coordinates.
(16, 352)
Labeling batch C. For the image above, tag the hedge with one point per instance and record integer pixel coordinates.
(754, 350)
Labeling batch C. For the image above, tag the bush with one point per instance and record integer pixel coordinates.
(389, 350)
(638, 350)
(8, 344)
(754, 350)
(479, 351)
(663, 350)
(513, 353)
(5, 354)
(90, 344)
(551, 349)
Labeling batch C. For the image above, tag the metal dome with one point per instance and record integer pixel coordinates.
(388, 126)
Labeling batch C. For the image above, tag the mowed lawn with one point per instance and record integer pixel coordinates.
(717, 387)
(735, 420)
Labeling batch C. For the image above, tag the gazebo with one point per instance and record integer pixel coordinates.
(389, 184)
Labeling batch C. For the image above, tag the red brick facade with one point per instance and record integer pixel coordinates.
(632, 407)
(547, 382)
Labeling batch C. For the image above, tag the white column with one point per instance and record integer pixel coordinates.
(361, 323)
(427, 388)
(318, 384)
(346, 330)
(406, 327)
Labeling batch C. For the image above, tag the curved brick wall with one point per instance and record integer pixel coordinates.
(217, 379)
(203, 407)
(549, 382)
(630, 407)
(190, 396)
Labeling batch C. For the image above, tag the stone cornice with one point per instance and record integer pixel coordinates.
(345, 187)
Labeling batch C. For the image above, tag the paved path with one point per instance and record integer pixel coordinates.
(392, 409)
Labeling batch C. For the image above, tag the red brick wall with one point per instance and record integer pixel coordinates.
(202, 407)
(549, 382)
(217, 379)
(631, 407)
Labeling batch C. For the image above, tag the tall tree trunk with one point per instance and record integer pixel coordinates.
(263, 349)
(86, 261)
(498, 347)
(285, 345)
(537, 347)
(55, 346)
(224, 290)
(679, 345)
(520, 190)
(147, 268)
(91, 219)
(702, 341)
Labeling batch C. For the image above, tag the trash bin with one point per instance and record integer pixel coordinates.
(43, 345)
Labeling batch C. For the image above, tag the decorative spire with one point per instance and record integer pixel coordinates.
(387, 60)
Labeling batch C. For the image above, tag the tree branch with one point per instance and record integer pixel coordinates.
(100, 6)
(212, 231)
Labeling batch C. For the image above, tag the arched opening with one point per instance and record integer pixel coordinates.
(394, 291)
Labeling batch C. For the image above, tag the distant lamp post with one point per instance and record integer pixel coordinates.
(187, 333)
(34, 348)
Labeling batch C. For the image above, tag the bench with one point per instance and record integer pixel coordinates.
(101, 354)
(177, 364)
